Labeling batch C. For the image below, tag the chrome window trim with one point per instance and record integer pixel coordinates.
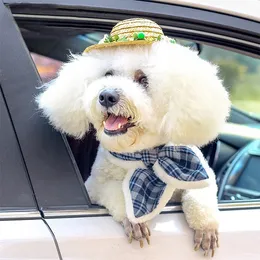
(168, 209)
(96, 212)
(23, 214)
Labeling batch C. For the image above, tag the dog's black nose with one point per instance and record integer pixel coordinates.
(108, 98)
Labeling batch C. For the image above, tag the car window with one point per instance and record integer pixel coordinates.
(239, 72)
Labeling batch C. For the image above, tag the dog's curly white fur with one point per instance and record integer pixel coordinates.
(185, 103)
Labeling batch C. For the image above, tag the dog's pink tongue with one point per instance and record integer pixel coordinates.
(115, 122)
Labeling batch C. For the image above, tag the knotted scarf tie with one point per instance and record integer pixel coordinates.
(165, 167)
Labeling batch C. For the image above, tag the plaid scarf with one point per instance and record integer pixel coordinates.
(165, 167)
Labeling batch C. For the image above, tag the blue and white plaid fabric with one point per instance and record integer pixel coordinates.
(146, 188)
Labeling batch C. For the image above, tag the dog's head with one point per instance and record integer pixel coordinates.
(138, 97)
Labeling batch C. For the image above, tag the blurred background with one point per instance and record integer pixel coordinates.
(240, 73)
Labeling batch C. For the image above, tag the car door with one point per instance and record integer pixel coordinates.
(85, 231)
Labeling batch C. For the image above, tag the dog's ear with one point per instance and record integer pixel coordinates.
(61, 100)
(197, 104)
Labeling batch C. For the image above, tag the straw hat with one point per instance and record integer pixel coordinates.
(135, 31)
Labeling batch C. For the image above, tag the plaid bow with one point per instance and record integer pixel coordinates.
(147, 185)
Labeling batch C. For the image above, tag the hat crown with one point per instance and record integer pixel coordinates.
(129, 32)
(131, 27)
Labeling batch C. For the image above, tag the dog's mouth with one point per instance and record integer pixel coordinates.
(116, 125)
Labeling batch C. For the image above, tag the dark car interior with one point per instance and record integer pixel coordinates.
(234, 156)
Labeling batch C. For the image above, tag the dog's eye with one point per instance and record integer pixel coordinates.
(109, 73)
(141, 78)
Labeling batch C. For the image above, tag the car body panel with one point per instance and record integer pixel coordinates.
(248, 9)
(102, 238)
(26, 239)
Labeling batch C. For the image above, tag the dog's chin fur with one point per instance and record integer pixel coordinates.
(185, 102)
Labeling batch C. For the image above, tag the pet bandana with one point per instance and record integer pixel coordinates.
(154, 174)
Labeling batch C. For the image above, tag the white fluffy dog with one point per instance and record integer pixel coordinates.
(140, 97)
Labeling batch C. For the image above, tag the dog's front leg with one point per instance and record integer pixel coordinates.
(110, 195)
(105, 187)
(201, 211)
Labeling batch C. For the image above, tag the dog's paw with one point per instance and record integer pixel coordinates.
(137, 231)
(206, 239)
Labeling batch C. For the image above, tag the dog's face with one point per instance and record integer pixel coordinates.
(138, 97)
(120, 102)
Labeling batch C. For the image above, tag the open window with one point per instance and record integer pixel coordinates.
(58, 177)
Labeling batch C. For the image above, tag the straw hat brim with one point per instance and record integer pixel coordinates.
(116, 44)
